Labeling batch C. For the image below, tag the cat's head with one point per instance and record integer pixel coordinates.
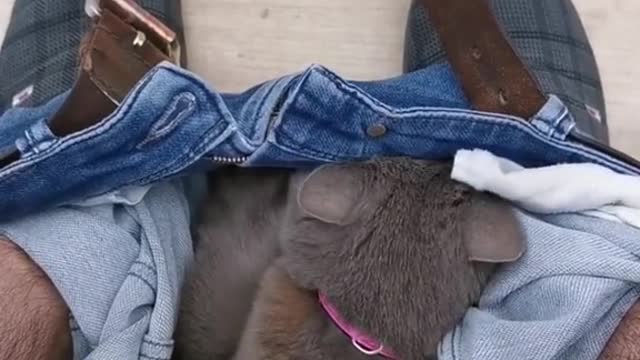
(399, 248)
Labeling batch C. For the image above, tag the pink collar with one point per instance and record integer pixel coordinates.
(359, 339)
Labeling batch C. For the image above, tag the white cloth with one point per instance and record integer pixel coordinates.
(586, 188)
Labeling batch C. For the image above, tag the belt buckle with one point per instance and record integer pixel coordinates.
(146, 24)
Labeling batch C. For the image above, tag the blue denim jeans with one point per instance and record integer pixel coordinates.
(119, 262)
(173, 123)
(561, 301)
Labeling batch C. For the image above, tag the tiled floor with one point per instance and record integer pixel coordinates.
(236, 43)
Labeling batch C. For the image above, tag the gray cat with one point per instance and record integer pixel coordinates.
(399, 248)
(238, 239)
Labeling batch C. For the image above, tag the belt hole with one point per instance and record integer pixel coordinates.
(502, 98)
(476, 54)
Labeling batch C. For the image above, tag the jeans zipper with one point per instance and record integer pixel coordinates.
(226, 160)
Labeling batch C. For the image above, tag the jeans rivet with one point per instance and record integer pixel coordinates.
(376, 130)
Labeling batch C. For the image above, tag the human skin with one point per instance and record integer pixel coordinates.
(34, 321)
(624, 344)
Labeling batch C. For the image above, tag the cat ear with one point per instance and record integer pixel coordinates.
(493, 233)
(332, 193)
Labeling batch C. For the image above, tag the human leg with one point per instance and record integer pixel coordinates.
(41, 282)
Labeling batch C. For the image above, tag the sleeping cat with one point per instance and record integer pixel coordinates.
(398, 249)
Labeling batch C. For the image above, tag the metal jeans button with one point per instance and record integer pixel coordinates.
(376, 130)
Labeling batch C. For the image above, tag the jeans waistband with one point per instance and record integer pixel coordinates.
(173, 123)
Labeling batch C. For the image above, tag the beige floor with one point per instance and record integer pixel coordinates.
(241, 42)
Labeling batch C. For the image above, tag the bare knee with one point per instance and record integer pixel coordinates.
(35, 319)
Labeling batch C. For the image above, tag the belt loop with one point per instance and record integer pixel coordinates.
(554, 119)
(37, 138)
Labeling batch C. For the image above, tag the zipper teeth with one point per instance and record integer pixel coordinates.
(241, 159)
(229, 160)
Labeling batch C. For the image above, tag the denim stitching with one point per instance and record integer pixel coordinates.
(105, 125)
(98, 129)
(212, 133)
(279, 105)
(147, 266)
(30, 142)
(474, 115)
(162, 173)
(152, 357)
(167, 122)
(586, 152)
(291, 145)
(310, 154)
(557, 116)
(82, 137)
(560, 116)
(595, 155)
(292, 99)
(377, 106)
(149, 274)
(430, 115)
(180, 160)
(559, 130)
(35, 146)
(151, 287)
(592, 154)
(155, 343)
(540, 122)
(352, 90)
(260, 106)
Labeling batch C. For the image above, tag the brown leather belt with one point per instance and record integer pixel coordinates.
(492, 75)
(125, 42)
